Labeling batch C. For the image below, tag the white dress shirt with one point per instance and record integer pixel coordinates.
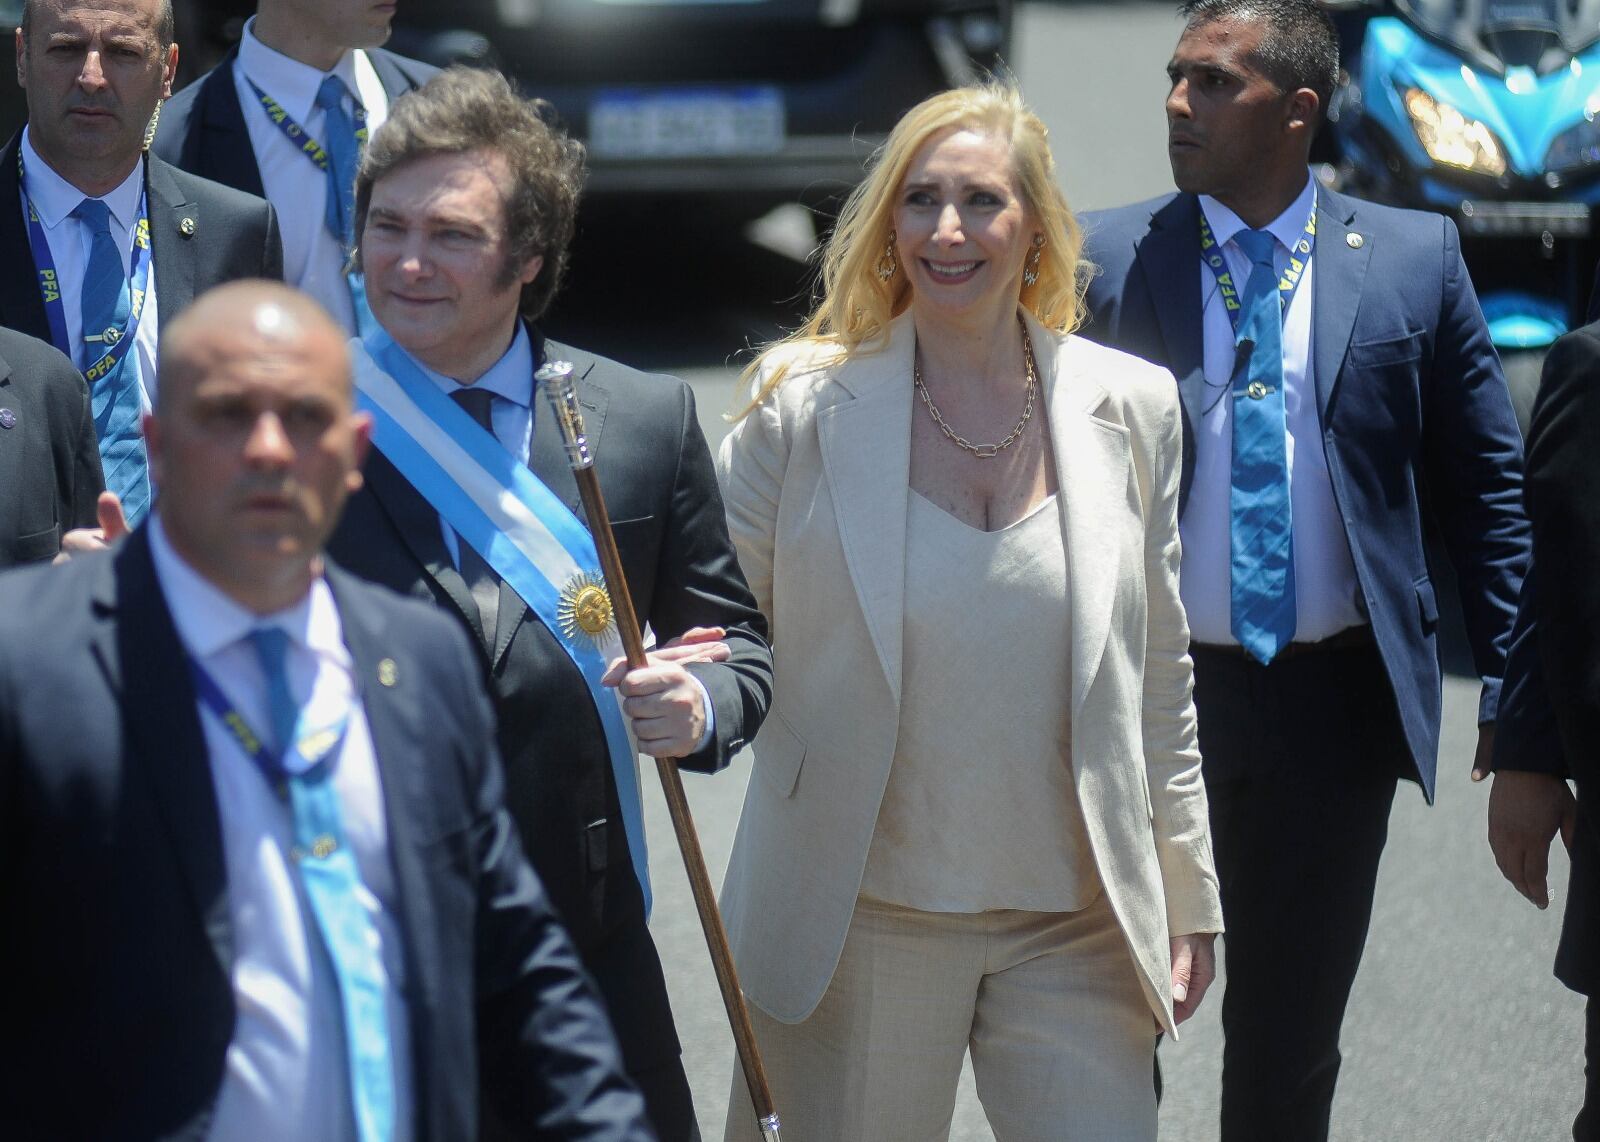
(312, 257)
(1325, 585)
(287, 1072)
(70, 242)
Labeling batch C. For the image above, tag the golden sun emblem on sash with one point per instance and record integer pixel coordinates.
(585, 607)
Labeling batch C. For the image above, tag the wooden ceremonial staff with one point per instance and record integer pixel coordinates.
(556, 379)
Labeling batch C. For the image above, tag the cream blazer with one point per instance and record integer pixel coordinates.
(816, 481)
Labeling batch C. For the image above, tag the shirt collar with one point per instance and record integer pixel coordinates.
(208, 621)
(510, 377)
(1286, 227)
(292, 83)
(55, 198)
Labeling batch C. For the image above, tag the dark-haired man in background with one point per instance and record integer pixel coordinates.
(466, 203)
(1336, 375)
(284, 116)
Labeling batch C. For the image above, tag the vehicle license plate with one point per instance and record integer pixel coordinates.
(686, 124)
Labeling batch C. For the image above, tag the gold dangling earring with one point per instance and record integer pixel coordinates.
(888, 264)
(1030, 272)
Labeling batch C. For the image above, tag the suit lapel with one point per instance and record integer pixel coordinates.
(388, 692)
(175, 225)
(1170, 258)
(145, 664)
(1337, 275)
(21, 305)
(1091, 461)
(417, 521)
(866, 455)
(227, 155)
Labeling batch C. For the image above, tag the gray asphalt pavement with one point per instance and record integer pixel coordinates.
(1457, 1030)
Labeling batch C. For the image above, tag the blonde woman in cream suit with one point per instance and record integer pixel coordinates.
(976, 820)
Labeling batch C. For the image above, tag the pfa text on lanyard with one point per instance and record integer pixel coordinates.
(301, 138)
(1288, 281)
(114, 343)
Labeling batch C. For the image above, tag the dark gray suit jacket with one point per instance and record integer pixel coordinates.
(662, 495)
(201, 235)
(203, 130)
(118, 1007)
(49, 461)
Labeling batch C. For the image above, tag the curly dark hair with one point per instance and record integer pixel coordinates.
(463, 109)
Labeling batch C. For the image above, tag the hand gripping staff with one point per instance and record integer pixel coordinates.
(556, 380)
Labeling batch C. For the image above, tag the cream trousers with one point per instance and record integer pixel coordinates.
(1048, 1003)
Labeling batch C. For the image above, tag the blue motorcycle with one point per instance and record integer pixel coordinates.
(1485, 110)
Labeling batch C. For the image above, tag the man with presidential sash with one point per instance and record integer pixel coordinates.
(465, 205)
(1340, 394)
(284, 116)
(113, 242)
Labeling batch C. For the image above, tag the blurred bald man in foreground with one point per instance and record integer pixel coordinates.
(253, 851)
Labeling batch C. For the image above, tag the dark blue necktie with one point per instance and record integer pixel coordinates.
(1261, 544)
(332, 882)
(114, 398)
(344, 154)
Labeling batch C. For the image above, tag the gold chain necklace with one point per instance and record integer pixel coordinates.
(982, 451)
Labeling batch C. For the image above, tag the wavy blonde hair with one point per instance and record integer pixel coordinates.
(856, 305)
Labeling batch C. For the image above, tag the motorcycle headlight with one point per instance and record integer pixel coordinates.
(1450, 138)
(1575, 149)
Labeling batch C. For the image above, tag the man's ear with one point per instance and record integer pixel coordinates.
(531, 270)
(1304, 110)
(169, 71)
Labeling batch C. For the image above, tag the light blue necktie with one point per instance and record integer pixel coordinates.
(114, 399)
(1262, 549)
(344, 156)
(328, 871)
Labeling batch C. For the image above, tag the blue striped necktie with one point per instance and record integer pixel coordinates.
(344, 157)
(1261, 542)
(332, 882)
(114, 398)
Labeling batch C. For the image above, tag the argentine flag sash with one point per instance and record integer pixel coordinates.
(520, 527)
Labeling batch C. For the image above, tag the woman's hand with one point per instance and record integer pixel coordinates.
(1194, 966)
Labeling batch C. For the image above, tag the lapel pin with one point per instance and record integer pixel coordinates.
(8, 419)
(186, 227)
(388, 673)
(1354, 241)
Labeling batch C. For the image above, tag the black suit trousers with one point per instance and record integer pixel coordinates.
(1301, 761)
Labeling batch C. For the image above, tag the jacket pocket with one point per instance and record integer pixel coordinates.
(30, 548)
(1390, 351)
(780, 754)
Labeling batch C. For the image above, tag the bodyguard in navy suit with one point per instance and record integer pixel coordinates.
(246, 123)
(1305, 484)
(229, 938)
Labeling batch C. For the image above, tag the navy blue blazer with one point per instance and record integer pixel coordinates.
(202, 127)
(1414, 409)
(118, 1008)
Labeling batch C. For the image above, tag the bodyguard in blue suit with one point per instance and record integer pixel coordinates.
(257, 871)
(1338, 386)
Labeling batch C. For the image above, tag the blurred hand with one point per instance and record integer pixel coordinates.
(1483, 760)
(664, 702)
(113, 526)
(1526, 810)
(1194, 967)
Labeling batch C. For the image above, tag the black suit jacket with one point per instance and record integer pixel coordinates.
(203, 130)
(1551, 722)
(1415, 416)
(201, 235)
(662, 495)
(118, 1009)
(49, 460)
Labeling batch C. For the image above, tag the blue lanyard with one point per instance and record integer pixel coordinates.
(298, 135)
(315, 747)
(118, 342)
(1299, 256)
